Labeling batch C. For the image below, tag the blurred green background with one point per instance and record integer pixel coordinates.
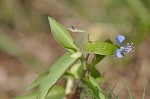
(27, 47)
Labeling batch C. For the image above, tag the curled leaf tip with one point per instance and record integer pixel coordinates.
(76, 55)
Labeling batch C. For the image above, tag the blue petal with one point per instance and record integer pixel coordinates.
(118, 53)
(120, 39)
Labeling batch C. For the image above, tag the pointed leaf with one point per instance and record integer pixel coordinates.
(57, 92)
(56, 71)
(101, 48)
(38, 80)
(143, 96)
(97, 59)
(96, 84)
(96, 74)
(129, 90)
(62, 35)
(88, 85)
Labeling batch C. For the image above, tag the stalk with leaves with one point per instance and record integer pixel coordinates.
(83, 78)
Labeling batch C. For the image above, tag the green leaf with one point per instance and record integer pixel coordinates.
(101, 48)
(77, 70)
(38, 80)
(87, 85)
(62, 35)
(57, 92)
(95, 90)
(97, 59)
(96, 84)
(56, 71)
(95, 74)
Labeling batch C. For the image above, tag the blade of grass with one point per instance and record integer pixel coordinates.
(121, 91)
(111, 91)
(129, 90)
(143, 97)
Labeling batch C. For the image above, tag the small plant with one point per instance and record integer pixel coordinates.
(83, 78)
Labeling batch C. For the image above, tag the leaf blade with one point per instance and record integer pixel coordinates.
(57, 92)
(143, 96)
(96, 84)
(96, 75)
(62, 35)
(129, 91)
(101, 48)
(38, 80)
(56, 71)
(97, 59)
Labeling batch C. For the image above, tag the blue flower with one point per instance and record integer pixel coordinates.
(123, 49)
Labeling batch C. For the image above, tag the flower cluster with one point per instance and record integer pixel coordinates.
(123, 49)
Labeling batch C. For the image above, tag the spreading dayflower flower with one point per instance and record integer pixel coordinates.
(123, 49)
